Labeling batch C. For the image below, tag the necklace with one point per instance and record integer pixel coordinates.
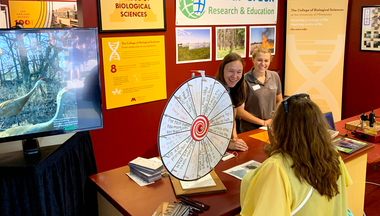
(259, 77)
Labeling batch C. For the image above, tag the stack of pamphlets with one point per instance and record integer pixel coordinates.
(146, 169)
(333, 133)
(172, 209)
(186, 207)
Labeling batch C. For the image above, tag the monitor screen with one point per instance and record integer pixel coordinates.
(330, 119)
(49, 82)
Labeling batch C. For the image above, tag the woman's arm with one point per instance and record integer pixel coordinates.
(278, 99)
(236, 143)
(242, 113)
(234, 133)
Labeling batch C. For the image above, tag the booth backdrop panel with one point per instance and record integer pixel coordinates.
(314, 59)
(132, 131)
(361, 81)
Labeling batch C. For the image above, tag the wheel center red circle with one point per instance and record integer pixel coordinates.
(199, 128)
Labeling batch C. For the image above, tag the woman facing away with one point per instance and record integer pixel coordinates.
(230, 73)
(263, 92)
(303, 166)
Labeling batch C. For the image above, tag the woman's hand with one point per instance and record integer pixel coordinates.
(238, 144)
(267, 122)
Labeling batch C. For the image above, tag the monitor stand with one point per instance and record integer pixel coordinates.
(31, 147)
(11, 154)
(24, 158)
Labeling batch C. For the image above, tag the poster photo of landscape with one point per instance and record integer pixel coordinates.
(262, 36)
(230, 39)
(64, 15)
(193, 45)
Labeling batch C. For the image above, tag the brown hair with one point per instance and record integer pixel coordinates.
(238, 93)
(302, 134)
(261, 50)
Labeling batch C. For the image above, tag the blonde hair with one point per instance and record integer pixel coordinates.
(261, 50)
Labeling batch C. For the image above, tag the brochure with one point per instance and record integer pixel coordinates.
(348, 145)
(240, 170)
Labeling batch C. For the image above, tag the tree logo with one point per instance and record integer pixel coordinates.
(192, 9)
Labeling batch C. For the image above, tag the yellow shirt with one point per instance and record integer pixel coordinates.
(273, 189)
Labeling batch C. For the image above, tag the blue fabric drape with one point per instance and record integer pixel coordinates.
(58, 185)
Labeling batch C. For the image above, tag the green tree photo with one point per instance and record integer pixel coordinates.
(230, 40)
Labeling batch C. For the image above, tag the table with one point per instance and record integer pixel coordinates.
(373, 156)
(54, 184)
(131, 199)
(357, 166)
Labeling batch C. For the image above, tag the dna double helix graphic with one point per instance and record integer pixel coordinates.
(313, 79)
(114, 55)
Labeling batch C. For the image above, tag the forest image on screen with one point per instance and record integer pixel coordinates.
(49, 81)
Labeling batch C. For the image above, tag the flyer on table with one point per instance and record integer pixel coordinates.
(134, 70)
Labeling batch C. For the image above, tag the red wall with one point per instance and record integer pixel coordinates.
(132, 131)
(362, 71)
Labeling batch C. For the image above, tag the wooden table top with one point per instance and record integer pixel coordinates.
(373, 153)
(131, 199)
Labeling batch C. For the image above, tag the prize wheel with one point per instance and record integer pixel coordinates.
(195, 128)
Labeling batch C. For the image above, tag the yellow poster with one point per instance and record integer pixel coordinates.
(315, 40)
(33, 14)
(134, 70)
(43, 14)
(132, 15)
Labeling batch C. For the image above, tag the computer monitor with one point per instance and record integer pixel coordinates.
(49, 82)
(330, 119)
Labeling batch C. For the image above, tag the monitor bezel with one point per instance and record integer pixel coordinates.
(57, 132)
(332, 124)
